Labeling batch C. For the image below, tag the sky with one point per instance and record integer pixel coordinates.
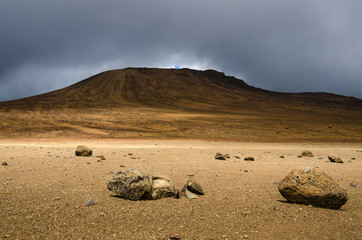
(279, 45)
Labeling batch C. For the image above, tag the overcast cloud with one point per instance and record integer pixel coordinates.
(281, 45)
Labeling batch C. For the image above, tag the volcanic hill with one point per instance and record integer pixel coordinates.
(174, 103)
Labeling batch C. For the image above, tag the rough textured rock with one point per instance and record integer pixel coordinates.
(162, 188)
(249, 159)
(193, 187)
(135, 185)
(307, 154)
(312, 187)
(83, 151)
(220, 156)
(335, 159)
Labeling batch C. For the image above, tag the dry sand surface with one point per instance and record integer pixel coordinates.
(45, 187)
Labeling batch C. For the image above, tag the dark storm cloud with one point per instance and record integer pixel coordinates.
(282, 45)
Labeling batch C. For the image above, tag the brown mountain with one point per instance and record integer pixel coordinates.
(141, 102)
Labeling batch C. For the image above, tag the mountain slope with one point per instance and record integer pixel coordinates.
(183, 88)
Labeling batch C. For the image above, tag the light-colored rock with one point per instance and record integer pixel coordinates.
(312, 187)
(83, 151)
(135, 185)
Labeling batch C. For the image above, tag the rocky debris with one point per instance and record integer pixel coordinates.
(4, 164)
(312, 187)
(300, 156)
(281, 156)
(307, 154)
(237, 157)
(335, 159)
(101, 157)
(220, 156)
(175, 236)
(90, 202)
(192, 189)
(352, 184)
(249, 159)
(135, 185)
(83, 151)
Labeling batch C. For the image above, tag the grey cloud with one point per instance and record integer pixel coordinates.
(280, 45)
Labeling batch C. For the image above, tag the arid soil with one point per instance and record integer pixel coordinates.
(45, 187)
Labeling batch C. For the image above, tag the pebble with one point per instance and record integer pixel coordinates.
(175, 236)
(4, 164)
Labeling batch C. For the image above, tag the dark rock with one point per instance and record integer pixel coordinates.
(193, 187)
(335, 159)
(4, 164)
(220, 156)
(83, 151)
(249, 159)
(281, 156)
(307, 154)
(312, 187)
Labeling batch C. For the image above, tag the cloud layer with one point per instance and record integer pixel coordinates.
(281, 45)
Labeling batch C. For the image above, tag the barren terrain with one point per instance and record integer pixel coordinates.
(171, 123)
(44, 190)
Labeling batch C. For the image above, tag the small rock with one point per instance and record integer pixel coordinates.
(300, 156)
(4, 164)
(307, 154)
(175, 236)
(249, 159)
(246, 170)
(190, 175)
(237, 157)
(122, 165)
(281, 156)
(227, 155)
(353, 158)
(335, 159)
(220, 156)
(353, 184)
(193, 187)
(83, 151)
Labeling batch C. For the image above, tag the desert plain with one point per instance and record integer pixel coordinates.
(171, 123)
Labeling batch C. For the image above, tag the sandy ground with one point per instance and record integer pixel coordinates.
(45, 187)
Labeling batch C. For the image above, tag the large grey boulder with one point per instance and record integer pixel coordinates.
(83, 151)
(135, 185)
(312, 187)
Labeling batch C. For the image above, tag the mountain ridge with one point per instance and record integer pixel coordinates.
(182, 88)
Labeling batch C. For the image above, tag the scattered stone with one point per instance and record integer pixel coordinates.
(246, 170)
(101, 157)
(130, 154)
(249, 159)
(83, 151)
(4, 164)
(227, 155)
(300, 156)
(190, 175)
(281, 156)
(353, 158)
(189, 195)
(312, 187)
(193, 187)
(90, 202)
(175, 236)
(307, 154)
(353, 184)
(220, 156)
(335, 159)
(237, 157)
(135, 185)
(122, 165)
